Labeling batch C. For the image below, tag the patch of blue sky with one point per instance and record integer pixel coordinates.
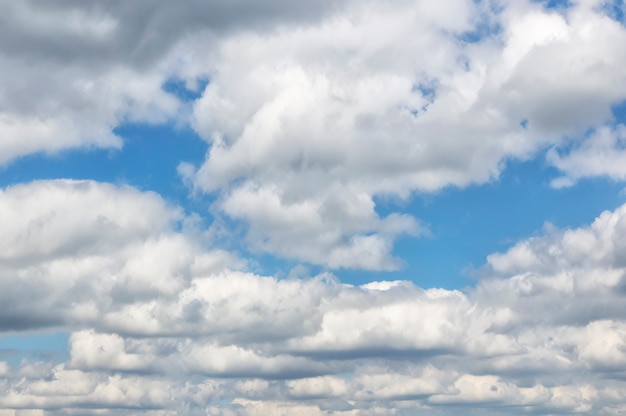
(616, 10)
(149, 158)
(281, 268)
(486, 26)
(619, 112)
(148, 161)
(34, 346)
(468, 224)
(484, 29)
(555, 4)
(181, 90)
(427, 89)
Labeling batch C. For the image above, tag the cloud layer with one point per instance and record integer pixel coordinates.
(161, 325)
(312, 113)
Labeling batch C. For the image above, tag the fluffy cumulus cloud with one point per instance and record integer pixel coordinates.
(71, 72)
(390, 100)
(314, 111)
(160, 324)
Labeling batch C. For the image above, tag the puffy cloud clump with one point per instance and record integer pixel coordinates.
(161, 324)
(309, 125)
(312, 113)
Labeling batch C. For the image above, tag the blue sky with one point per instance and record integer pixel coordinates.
(219, 209)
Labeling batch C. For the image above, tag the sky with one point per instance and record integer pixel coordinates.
(337, 208)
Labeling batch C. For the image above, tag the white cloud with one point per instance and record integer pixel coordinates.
(70, 218)
(597, 246)
(388, 101)
(65, 243)
(311, 115)
(52, 106)
(159, 324)
(340, 229)
(71, 72)
(92, 351)
(317, 387)
(313, 112)
(600, 154)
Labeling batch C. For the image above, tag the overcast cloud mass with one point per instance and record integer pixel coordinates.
(322, 122)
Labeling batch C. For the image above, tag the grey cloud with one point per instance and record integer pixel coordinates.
(194, 333)
(134, 33)
(73, 71)
(65, 218)
(162, 325)
(271, 172)
(293, 83)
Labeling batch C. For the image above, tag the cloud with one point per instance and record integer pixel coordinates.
(71, 72)
(600, 154)
(341, 230)
(392, 101)
(161, 324)
(314, 112)
(64, 242)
